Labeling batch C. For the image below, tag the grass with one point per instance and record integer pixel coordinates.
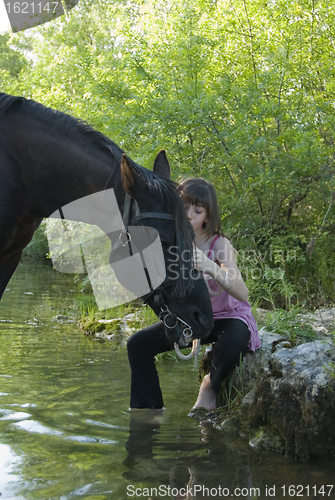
(232, 389)
(91, 318)
(291, 324)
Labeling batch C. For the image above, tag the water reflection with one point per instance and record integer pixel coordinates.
(8, 463)
(213, 466)
(184, 468)
(66, 431)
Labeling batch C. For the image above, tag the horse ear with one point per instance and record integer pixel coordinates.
(161, 165)
(133, 183)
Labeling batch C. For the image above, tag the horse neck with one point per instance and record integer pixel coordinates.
(57, 170)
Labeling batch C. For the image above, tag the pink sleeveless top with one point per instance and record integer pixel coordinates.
(225, 306)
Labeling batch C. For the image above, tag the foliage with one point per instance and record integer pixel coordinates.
(291, 325)
(38, 247)
(12, 59)
(92, 320)
(239, 92)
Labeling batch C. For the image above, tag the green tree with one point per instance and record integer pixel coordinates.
(12, 61)
(240, 92)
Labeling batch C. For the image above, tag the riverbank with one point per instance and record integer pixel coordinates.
(123, 321)
(281, 398)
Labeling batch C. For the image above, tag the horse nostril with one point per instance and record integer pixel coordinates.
(199, 318)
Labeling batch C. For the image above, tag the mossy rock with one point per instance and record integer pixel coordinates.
(91, 327)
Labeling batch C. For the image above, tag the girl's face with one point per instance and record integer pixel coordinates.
(197, 215)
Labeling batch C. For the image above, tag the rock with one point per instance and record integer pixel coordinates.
(243, 378)
(268, 440)
(108, 321)
(62, 319)
(230, 426)
(295, 399)
(131, 316)
(322, 320)
(289, 406)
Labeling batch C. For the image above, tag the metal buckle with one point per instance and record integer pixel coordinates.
(187, 330)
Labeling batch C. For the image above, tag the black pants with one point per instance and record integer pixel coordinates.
(231, 337)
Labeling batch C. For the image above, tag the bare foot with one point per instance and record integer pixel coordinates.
(206, 397)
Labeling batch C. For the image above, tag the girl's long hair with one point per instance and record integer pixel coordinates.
(198, 191)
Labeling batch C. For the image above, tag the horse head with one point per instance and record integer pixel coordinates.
(182, 300)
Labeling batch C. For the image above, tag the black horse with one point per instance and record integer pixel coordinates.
(49, 159)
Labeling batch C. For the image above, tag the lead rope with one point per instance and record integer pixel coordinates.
(194, 351)
(196, 344)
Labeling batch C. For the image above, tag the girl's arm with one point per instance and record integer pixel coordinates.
(227, 274)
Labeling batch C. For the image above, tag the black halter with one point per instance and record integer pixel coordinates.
(125, 239)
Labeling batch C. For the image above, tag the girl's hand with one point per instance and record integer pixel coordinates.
(200, 261)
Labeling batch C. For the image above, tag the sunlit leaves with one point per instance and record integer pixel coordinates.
(239, 91)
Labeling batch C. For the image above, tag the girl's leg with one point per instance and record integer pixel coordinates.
(231, 345)
(142, 348)
(206, 397)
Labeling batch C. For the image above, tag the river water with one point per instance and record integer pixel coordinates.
(66, 431)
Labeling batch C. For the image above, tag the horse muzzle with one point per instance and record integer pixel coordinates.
(176, 329)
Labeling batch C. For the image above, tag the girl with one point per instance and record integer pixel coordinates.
(234, 330)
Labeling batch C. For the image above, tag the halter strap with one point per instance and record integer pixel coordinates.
(139, 216)
(126, 219)
(157, 294)
(153, 215)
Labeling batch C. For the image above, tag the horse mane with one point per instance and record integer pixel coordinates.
(166, 189)
(72, 128)
(170, 198)
(6, 101)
